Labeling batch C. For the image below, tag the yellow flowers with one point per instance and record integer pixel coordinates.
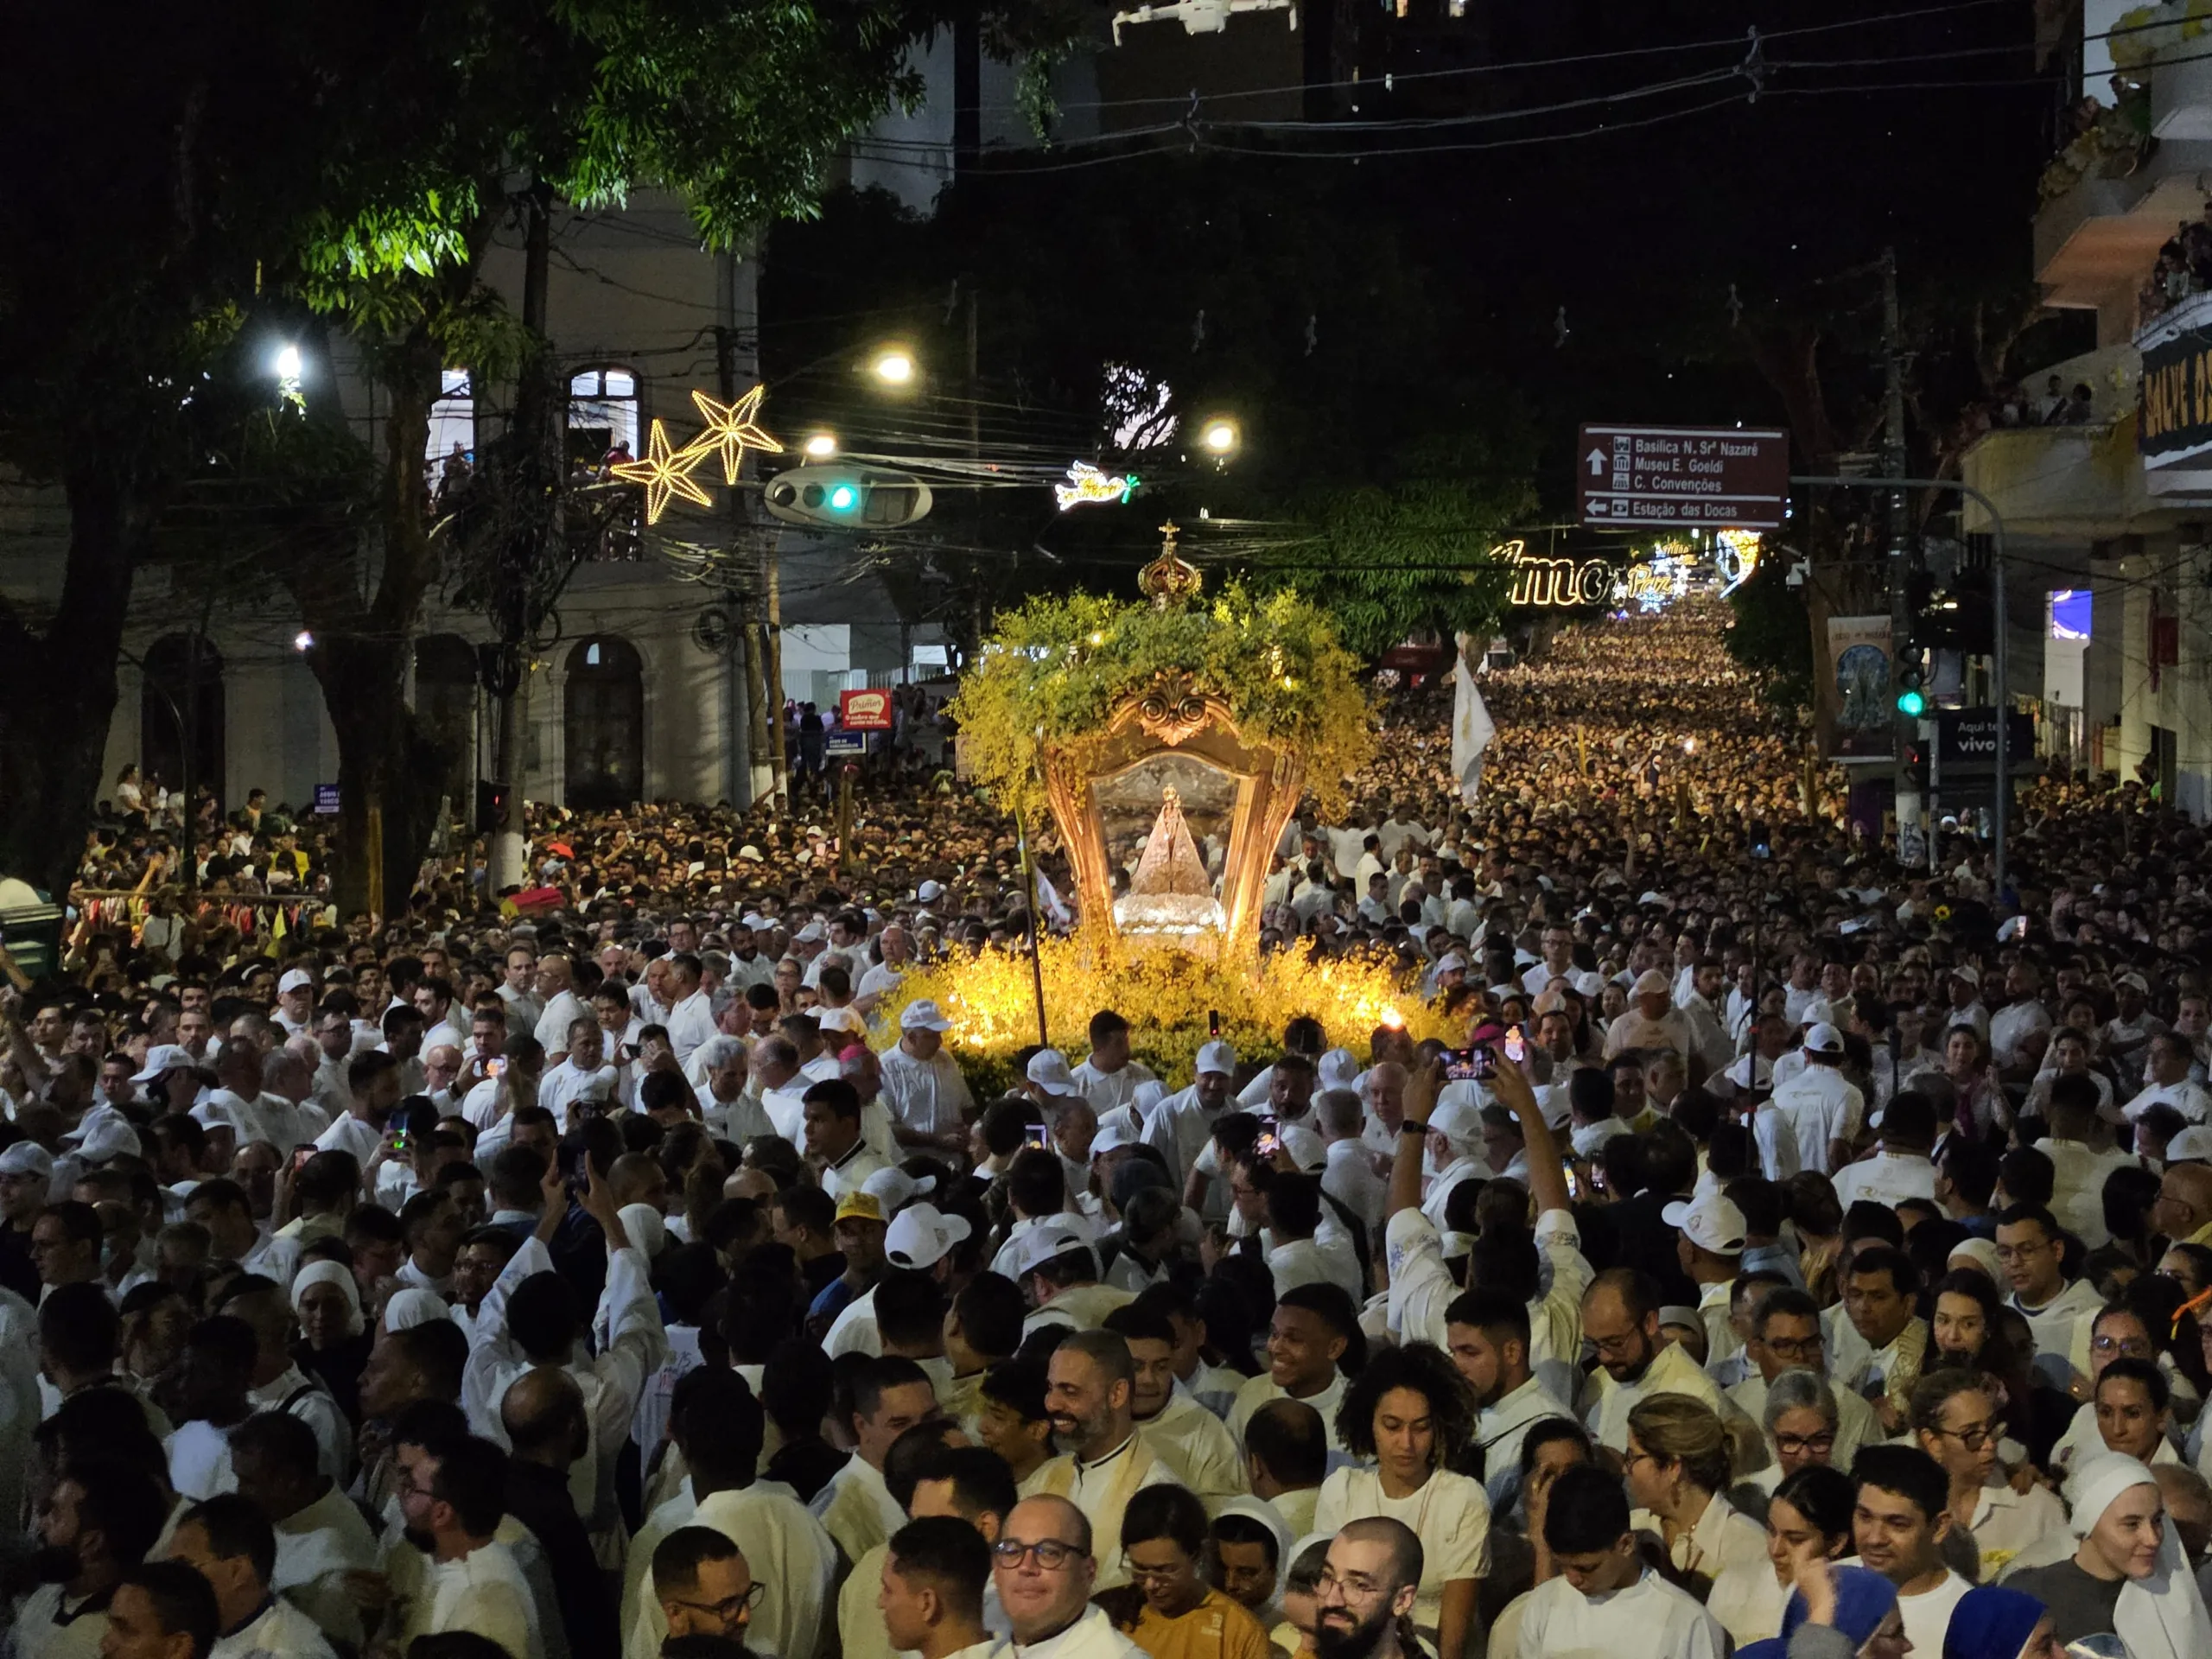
(1167, 996)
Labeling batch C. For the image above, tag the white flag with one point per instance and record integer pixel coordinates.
(1471, 727)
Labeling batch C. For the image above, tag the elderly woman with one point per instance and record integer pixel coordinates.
(1801, 1421)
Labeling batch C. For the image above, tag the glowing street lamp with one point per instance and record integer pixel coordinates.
(303, 642)
(895, 365)
(821, 446)
(288, 366)
(1220, 437)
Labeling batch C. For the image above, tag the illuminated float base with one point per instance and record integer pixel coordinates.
(1166, 994)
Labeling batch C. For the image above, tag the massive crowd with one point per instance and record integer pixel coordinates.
(1798, 1255)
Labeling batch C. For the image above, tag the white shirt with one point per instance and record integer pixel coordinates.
(2077, 1188)
(690, 1023)
(1349, 1177)
(1264, 1390)
(1499, 1430)
(1649, 1616)
(280, 1631)
(484, 1592)
(1821, 1107)
(566, 1084)
(786, 1549)
(1106, 1091)
(1887, 1179)
(1450, 1514)
(929, 1096)
(2011, 1023)
(2186, 1097)
(553, 1024)
(1928, 1616)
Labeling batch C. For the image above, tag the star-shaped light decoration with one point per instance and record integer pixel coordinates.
(665, 471)
(732, 428)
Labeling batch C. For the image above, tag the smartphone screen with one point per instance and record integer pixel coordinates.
(1037, 1134)
(1517, 1046)
(300, 1156)
(1573, 1179)
(1468, 1065)
(496, 1066)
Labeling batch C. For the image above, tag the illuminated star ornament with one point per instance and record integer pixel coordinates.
(666, 473)
(732, 428)
(1087, 484)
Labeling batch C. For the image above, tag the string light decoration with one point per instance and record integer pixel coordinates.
(1086, 483)
(732, 428)
(666, 471)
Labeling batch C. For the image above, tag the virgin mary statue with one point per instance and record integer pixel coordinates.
(1171, 892)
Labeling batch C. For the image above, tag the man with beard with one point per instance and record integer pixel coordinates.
(1365, 1598)
(1184, 1435)
(1604, 1600)
(704, 1585)
(1090, 1391)
(97, 1524)
(1045, 1569)
(1487, 1331)
(1620, 1316)
(448, 1573)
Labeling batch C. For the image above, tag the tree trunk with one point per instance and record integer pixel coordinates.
(57, 688)
(388, 764)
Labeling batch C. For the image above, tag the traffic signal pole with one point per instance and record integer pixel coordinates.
(2001, 694)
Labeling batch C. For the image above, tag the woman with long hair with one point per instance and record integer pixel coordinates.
(1677, 1462)
(1811, 1509)
(1408, 1414)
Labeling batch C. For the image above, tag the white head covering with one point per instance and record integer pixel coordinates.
(646, 1227)
(413, 1306)
(2161, 1617)
(331, 1273)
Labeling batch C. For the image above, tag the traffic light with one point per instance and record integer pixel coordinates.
(1913, 701)
(844, 496)
(490, 806)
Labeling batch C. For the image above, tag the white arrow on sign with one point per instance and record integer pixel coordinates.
(1597, 463)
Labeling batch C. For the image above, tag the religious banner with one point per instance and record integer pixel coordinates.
(1854, 683)
(1471, 727)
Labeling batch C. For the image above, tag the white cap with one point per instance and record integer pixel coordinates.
(297, 979)
(1458, 1117)
(1217, 1056)
(2191, 1146)
(1711, 1222)
(164, 1057)
(1114, 1135)
(1048, 1069)
(838, 1020)
(1589, 982)
(2136, 980)
(920, 1235)
(1824, 1039)
(1968, 972)
(1043, 1241)
(1451, 961)
(1337, 1069)
(892, 1186)
(1818, 1012)
(812, 933)
(925, 1016)
(1652, 983)
(1149, 1094)
(929, 891)
(27, 1158)
(749, 853)
(109, 1136)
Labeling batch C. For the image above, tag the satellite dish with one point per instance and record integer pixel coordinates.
(712, 630)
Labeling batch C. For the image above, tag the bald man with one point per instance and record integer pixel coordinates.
(2182, 1209)
(544, 1415)
(1045, 1571)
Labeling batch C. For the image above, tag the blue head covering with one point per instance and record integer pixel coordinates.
(1863, 1600)
(1992, 1623)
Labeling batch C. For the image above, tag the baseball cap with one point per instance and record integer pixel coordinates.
(27, 1158)
(1824, 1039)
(929, 891)
(891, 1186)
(1048, 1068)
(1218, 1057)
(1114, 1135)
(838, 1020)
(646, 1228)
(1968, 972)
(1043, 1241)
(921, 1235)
(1818, 1012)
(812, 933)
(1652, 983)
(109, 1136)
(1711, 1222)
(164, 1057)
(1337, 1070)
(297, 979)
(860, 1206)
(2136, 980)
(2192, 1146)
(925, 1016)
(1451, 961)
(1457, 1117)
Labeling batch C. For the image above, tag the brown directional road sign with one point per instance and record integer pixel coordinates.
(1715, 476)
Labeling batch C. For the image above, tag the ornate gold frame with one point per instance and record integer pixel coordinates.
(1173, 716)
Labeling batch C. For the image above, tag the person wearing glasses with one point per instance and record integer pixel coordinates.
(1043, 1567)
(2031, 1251)
(703, 1583)
(1168, 1609)
(2120, 1331)
(1956, 1420)
(1786, 1336)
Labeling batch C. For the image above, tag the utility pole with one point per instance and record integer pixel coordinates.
(1905, 791)
(976, 451)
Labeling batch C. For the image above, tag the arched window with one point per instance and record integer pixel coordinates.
(602, 414)
(603, 724)
(180, 702)
(445, 702)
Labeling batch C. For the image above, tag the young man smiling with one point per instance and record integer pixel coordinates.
(1899, 1524)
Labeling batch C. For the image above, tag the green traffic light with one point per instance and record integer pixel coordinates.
(845, 498)
(1911, 703)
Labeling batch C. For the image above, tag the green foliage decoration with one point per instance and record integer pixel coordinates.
(1056, 668)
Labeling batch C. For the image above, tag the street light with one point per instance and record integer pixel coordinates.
(1220, 437)
(821, 446)
(894, 366)
(303, 642)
